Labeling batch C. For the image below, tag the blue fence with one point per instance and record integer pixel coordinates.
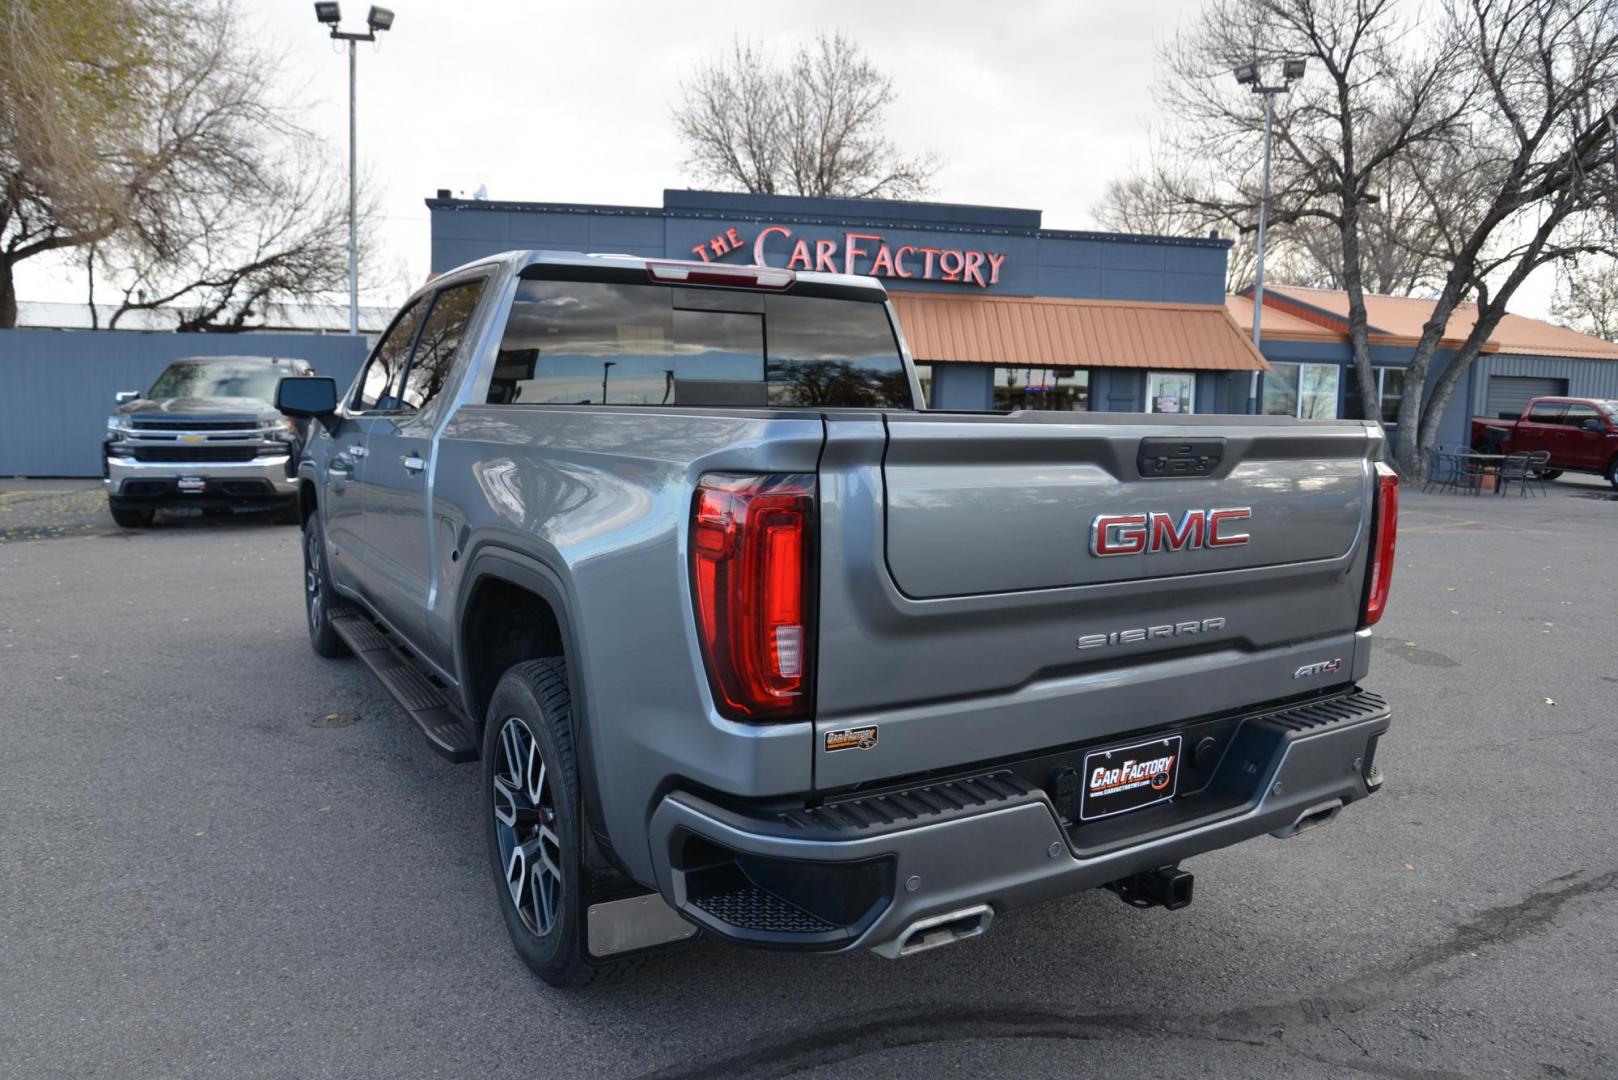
(57, 386)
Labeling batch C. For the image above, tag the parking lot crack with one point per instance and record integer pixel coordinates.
(846, 1039)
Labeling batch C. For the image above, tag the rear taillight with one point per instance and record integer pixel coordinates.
(750, 569)
(1385, 533)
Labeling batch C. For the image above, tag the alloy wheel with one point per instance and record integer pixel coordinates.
(313, 593)
(525, 825)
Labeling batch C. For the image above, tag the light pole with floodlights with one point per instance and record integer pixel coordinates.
(377, 20)
(1247, 75)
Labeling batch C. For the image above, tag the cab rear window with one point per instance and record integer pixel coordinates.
(600, 343)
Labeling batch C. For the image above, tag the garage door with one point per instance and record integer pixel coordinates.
(1509, 395)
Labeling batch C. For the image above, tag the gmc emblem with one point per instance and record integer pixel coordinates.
(1147, 534)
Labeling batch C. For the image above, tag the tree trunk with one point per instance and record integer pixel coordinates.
(1432, 415)
(90, 276)
(1358, 333)
(1490, 311)
(8, 295)
(1408, 445)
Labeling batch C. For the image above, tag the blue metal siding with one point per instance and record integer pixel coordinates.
(1585, 378)
(1117, 390)
(543, 230)
(965, 387)
(56, 386)
(1039, 262)
(1132, 285)
(1084, 284)
(1116, 256)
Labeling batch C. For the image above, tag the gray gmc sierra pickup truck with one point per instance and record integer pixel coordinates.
(747, 643)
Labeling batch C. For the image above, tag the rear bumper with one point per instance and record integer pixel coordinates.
(858, 873)
(264, 479)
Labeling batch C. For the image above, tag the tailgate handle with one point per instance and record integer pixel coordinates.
(1164, 458)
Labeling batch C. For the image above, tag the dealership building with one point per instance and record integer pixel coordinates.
(1001, 313)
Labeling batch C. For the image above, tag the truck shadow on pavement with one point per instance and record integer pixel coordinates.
(1278, 1025)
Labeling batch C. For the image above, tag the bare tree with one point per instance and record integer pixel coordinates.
(1586, 297)
(1373, 96)
(813, 126)
(1398, 254)
(181, 170)
(69, 75)
(1535, 170)
(224, 260)
(1396, 242)
(1142, 204)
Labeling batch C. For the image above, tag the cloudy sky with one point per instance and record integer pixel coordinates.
(1030, 104)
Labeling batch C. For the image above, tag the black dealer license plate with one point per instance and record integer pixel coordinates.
(1123, 778)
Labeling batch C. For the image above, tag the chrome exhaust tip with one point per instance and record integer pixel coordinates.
(1319, 814)
(936, 930)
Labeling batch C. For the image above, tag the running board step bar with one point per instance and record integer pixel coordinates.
(441, 723)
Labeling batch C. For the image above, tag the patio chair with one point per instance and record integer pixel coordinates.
(1466, 471)
(1443, 469)
(1538, 462)
(1514, 470)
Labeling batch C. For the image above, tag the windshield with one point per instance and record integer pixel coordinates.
(219, 379)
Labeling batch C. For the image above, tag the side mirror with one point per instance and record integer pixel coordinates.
(307, 396)
(124, 397)
(1593, 425)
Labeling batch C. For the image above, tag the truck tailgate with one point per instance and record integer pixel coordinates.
(971, 610)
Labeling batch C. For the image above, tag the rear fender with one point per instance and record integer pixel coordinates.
(490, 560)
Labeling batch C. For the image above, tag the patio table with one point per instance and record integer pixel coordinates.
(1475, 466)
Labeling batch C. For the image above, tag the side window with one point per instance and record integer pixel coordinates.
(834, 354)
(1546, 412)
(1578, 414)
(380, 386)
(586, 343)
(440, 341)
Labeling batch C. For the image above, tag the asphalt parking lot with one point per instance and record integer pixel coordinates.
(206, 879)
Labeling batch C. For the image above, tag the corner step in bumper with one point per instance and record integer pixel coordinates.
(441, 723)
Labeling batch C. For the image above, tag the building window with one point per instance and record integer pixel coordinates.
(1171, 392)
(1307, 391)
(924, 375)
(1058, 389)
(1390, 388)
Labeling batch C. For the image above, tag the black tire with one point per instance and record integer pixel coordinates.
(532, 823)
(318, 595)
(132, 517)
(1612, 472)
(1547, 474)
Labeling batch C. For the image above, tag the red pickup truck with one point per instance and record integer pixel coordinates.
(1581, 435)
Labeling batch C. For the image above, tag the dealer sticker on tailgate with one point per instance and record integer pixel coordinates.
(1122, 778)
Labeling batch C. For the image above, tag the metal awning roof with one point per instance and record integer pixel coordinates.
(1399, 320)
(1041, 331)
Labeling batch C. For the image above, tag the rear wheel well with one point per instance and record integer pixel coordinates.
(306, 501)
(504, 624)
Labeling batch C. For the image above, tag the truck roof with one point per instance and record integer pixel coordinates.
(518, 260)
(238, 360)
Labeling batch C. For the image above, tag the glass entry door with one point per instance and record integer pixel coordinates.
(1171, 392)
